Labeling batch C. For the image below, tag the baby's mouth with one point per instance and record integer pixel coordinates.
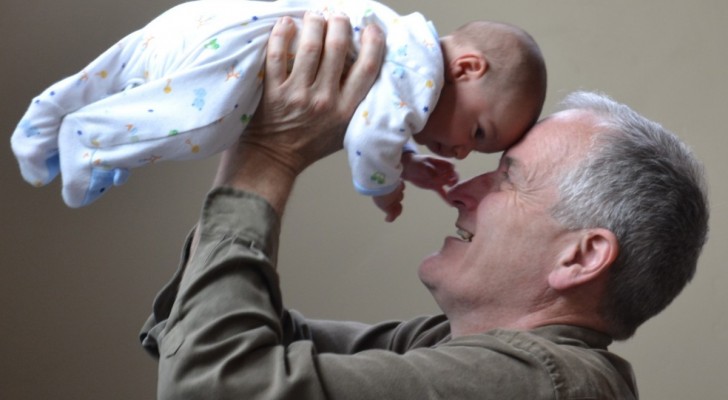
(437, 149)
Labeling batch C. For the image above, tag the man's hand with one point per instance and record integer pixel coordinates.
(302, 117)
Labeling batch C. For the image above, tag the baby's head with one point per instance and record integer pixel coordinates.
(495, 86)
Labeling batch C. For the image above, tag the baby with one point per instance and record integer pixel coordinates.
(186, 85)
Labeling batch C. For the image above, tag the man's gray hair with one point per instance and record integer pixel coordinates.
(644, 184)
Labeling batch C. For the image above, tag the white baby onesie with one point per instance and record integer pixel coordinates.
(185, 86)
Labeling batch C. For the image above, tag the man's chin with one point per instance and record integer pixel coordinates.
(429, 268)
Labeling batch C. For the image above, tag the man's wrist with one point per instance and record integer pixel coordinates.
(253, 169)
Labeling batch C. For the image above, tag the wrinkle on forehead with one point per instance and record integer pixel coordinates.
(558, 143)
(565, 140)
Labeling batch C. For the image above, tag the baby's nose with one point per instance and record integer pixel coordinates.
(461, 151)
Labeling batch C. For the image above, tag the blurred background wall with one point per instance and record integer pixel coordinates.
(75, 285)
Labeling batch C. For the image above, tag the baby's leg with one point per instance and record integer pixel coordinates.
(90, 171)
(85, 179)
(35, 140)
(192, 112)
(35, 143)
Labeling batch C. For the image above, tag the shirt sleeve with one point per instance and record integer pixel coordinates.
(224, 304)
(349, 337)
(223, 337)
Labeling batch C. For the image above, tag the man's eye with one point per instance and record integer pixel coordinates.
(505, 181)
(505, 177)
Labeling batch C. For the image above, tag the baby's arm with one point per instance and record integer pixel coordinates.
(428, 172)
(391, 203)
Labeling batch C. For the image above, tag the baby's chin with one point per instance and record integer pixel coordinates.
(432, 146)
(437, 150)
(440, 154)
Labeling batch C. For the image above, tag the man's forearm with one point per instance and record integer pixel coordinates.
(255, 170)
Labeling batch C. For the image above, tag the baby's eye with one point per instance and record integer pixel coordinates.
(479, 133)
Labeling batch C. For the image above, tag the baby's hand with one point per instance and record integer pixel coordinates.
(391, 203)
(428, 172)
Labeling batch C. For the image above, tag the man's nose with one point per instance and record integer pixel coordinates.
(467, 194)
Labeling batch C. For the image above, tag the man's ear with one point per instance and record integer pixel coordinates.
(587, 258)
(468, 66)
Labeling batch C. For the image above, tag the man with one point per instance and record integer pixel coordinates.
(590, 225)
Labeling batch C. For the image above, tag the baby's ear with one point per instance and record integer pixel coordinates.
(468, 66)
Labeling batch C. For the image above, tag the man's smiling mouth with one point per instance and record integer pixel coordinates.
(464, 235)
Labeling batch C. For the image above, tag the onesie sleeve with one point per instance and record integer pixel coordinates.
(398, 104)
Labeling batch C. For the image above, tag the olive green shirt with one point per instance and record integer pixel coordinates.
(220, 331)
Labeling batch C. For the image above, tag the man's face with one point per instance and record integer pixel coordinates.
(509, 242)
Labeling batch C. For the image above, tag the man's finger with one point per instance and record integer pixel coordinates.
(365, 69)
(310, 46)
(276, 59)
(335, 52)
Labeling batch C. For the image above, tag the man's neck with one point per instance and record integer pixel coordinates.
(480, 322)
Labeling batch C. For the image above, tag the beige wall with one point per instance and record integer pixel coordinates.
(76, 284)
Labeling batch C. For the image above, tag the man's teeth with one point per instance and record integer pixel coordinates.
(465, 235)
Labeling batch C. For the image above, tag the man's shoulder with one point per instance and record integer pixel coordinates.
(576, 359)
